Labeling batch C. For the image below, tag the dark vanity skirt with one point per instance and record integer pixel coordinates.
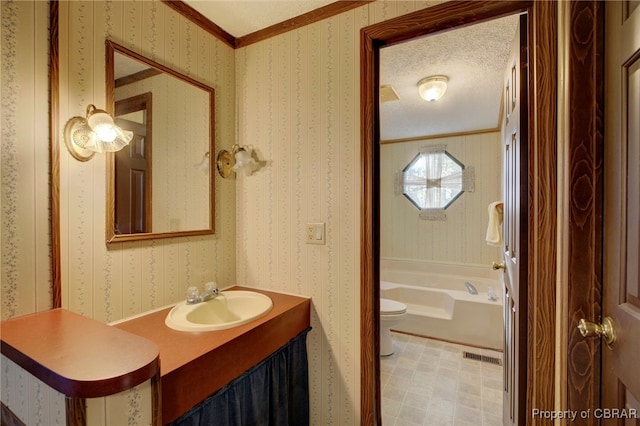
(274, 392)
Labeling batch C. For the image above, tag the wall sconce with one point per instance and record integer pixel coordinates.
(203, 165)
(239, 159)
(95, 133)
(432, 88)
(244, 161)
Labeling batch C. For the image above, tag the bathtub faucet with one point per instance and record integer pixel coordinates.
(210, 292)
(471, 288)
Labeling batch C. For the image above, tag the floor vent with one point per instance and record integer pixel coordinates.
(482, 358)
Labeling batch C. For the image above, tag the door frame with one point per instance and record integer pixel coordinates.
(581, 173)
(542, 188)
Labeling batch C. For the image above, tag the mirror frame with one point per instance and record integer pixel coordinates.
(111, 48)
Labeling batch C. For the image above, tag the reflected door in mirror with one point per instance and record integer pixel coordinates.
(133, 170)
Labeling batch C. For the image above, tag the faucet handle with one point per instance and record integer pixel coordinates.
(210, 287)
(192, 294)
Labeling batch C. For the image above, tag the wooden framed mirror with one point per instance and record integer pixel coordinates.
(162, 184)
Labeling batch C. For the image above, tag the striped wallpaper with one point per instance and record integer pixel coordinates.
(110, 282)
(298, 101)
(461, 238)
(25, 239)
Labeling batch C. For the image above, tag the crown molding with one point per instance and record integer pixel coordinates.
(300, 21)
(200, 20)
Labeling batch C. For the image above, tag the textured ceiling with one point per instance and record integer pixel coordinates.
(474, 59)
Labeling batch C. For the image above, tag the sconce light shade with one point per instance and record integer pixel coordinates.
(203, 165)
(95, 133)
(432, 88)
(240, 158)
(244, 161)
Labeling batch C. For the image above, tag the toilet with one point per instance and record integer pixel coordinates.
(391, 313)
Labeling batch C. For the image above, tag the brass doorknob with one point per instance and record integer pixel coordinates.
(496, 266)
(605, 330)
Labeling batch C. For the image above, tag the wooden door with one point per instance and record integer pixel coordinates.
(133, 167)
(621, 282)
(515, 210)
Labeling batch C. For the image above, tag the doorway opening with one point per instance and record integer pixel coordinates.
(441, 167)
(430, 21)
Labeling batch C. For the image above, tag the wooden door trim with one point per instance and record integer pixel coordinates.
(584, 195)
(54, 155)
(541, 189)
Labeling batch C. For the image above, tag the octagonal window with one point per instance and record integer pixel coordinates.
(433, 180)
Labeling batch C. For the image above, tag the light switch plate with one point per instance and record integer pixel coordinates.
(315, 233)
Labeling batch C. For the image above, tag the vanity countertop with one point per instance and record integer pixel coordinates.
(194, 365)
(78, 356)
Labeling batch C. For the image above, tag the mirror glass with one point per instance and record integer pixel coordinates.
(162, 184)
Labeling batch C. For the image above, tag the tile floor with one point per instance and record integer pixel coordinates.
(428, 382)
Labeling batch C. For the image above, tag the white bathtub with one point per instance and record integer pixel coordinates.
(439, 306)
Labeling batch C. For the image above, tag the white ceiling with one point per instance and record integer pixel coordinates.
(474, 59)
(242, 17)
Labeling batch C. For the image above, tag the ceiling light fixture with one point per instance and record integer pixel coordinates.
(432, 88)
(95, 133)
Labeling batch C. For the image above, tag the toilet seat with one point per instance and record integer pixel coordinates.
(392, 307)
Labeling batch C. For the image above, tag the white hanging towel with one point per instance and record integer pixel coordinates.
(494, 228)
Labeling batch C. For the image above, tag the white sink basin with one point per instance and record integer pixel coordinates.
(229, 309)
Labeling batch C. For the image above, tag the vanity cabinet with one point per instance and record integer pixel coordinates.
(88, 365)
(196, 365)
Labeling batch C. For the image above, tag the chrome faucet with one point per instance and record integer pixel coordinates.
(471, 288)
(210, 292)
